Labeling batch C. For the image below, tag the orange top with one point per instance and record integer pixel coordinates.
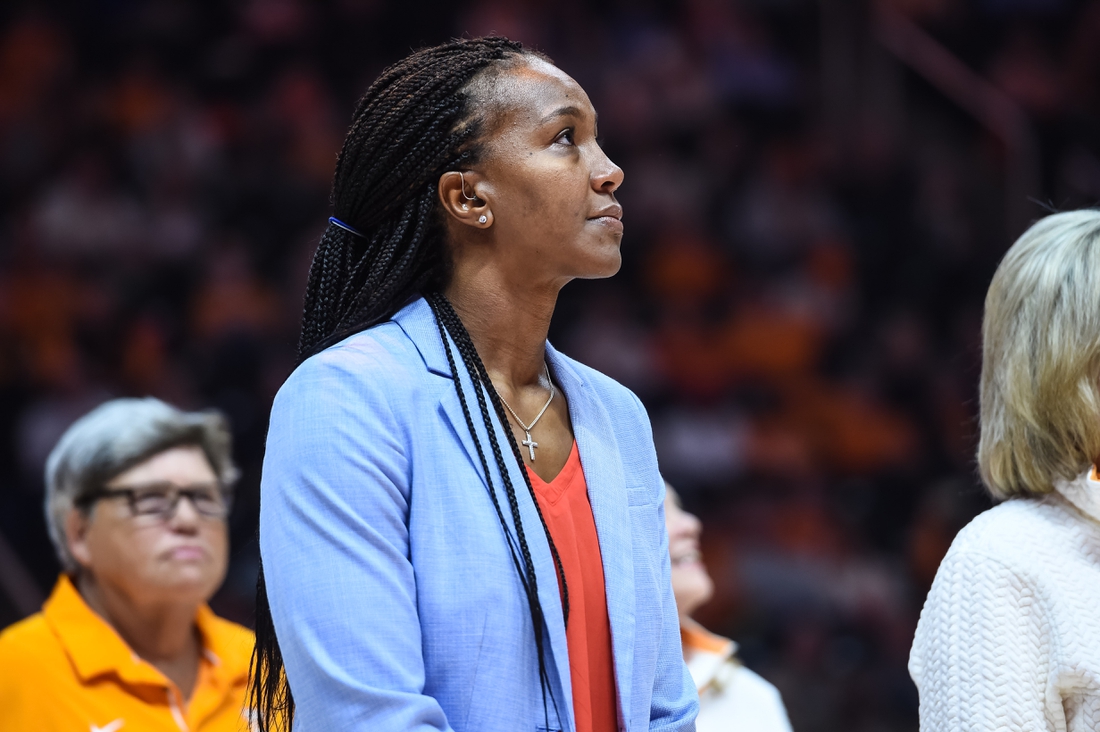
(568, 514)
(66, 668)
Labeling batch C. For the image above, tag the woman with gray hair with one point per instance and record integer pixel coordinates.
(126, 639)
(1009, 637)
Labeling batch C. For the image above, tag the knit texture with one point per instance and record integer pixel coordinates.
(1009, 637)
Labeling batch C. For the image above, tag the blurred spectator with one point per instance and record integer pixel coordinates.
(731, 697)
(137, 494)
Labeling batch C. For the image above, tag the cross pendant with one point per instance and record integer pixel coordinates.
(530, 445)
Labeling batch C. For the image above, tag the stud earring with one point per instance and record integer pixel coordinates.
(482, 219)
(465, 207)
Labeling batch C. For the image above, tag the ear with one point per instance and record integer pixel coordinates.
(463, 200)
(76, 536)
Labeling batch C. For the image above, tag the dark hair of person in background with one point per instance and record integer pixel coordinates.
(415, 122)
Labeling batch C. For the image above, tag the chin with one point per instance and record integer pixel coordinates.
(692, 587)
(190, 581)
(614, 267)
(606, 267)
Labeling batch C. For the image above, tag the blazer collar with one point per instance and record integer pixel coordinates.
(418, 322)
(1083, 492)
(599, 451)
(601, 459)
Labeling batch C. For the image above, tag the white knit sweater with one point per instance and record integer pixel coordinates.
(1009, 638)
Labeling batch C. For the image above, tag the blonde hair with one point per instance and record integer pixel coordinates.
(1040, 387)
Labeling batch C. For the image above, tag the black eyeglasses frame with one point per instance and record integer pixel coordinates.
(191, 493)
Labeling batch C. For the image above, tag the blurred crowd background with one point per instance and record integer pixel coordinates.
(817, 193)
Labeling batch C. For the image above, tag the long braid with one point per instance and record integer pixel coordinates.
(477, 445)
(415, 122)
(448, 320)
(473, 362)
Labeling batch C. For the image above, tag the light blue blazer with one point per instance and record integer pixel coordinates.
(394, 596)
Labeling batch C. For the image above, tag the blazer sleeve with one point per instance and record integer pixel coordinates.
(335, 547)
(981, 654)
(675, 702)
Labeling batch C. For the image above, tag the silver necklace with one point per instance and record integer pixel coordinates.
(529, 443)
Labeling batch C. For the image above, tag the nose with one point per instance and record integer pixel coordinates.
(186, 518)
(606, 176)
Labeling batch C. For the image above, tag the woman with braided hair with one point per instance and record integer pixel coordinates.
(461, 528)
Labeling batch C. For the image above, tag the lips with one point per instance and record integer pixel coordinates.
(614, 211)
(610, 217)
(610, 222)
(187, 553)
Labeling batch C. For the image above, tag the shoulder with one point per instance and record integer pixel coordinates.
(35, 672)
(378, 357)
(1024, 535)
(756, 688)
(24, 635)
(347, 410)
(356, 383)
(1003, 563)
(26, 648)
(745, 701)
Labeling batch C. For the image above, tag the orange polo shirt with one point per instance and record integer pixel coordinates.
(65, 668)
(568, 513)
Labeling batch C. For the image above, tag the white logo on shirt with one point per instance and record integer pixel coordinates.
(114, 726)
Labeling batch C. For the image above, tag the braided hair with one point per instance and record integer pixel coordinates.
(386, 245)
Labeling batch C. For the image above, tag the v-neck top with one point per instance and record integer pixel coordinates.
(568, 513)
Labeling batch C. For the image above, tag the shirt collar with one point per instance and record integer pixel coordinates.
(95, 648)
(226, 648)
(1083, 492)
(709, 652)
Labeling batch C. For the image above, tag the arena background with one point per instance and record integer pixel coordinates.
(816, 195)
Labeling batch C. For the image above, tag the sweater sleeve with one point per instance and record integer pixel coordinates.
(981, 657)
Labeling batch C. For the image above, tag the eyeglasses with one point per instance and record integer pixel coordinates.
(161, 499)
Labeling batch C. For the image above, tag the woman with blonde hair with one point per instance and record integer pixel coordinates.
(1009, 637)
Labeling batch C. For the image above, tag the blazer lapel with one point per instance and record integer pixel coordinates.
(419, 324)
(549, 595)
(603, 473)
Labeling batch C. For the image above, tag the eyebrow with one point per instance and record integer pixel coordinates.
(569, 111)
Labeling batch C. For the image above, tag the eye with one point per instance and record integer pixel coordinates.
(565, 137)
(209, 501)
(151, 501)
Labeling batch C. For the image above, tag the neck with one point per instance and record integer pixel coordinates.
(159, 633)
(507, 324)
